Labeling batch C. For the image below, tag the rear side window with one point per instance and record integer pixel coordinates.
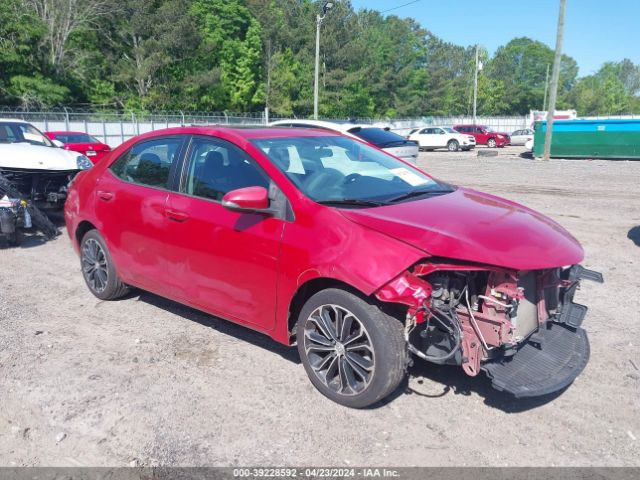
(75, 138)
(377, 136)
(149, 163)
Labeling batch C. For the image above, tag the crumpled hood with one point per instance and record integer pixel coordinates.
(477, 227)
(33, 157)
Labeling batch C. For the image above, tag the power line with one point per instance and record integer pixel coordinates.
(400, 6)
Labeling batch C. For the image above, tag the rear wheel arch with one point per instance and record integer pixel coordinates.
(83, 228)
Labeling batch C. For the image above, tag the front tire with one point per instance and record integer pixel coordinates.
(491, 143)
(98, 269)
(352, 351)
(453, 146)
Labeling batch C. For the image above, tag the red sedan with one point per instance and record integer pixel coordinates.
(485, 135)
(320, 240)
(82, 143)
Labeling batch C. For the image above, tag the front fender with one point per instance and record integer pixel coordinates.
(347, 252)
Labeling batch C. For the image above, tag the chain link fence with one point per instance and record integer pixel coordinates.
(114, 128)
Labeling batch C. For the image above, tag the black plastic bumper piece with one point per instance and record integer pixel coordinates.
(578, 272)
(543, 369)
(573, 314)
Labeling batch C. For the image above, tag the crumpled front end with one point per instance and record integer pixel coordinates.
(521, 327)
(46, 188)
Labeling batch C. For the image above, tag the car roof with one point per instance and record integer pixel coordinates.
(14, 120)
(63, 132)
(240, 133)
(338, 127)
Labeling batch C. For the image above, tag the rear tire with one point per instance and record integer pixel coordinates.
(98, 269)
(15, 239)
(453, 146)
(491, 143)
(353, 352)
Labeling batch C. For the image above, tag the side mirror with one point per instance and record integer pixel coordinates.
(249, 199)
(58, 143)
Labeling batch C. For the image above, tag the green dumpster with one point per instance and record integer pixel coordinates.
(590, 139)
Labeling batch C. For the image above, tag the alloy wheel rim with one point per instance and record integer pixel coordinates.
(339, 350)
(94, 265)
(453, 147)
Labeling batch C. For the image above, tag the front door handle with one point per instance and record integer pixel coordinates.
(106, 196)
(176, 216)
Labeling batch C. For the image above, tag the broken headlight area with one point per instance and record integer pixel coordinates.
(521, 328)
(46, 188)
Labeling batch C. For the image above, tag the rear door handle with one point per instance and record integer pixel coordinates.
(106, 196)
(176, 215)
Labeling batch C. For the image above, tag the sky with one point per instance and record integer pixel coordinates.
(596, 31)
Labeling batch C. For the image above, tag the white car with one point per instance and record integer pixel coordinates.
(382, 138)
(529, 145)
(521, 137)
(36, 166)
(432, 138)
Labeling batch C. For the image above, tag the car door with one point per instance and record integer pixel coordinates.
(427, 138)
(226, 262)
(130, 203)
(439, 138)
(481, 135)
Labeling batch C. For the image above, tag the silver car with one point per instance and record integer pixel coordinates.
(521, 137)
(383, 138)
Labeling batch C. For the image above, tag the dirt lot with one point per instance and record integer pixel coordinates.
(145, 381)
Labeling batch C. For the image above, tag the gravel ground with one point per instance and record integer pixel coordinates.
(145, 381)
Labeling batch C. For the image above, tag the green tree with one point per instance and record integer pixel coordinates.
(521, 65)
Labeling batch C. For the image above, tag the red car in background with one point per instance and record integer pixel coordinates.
(82, 143)
(485, 135)
(323, 241)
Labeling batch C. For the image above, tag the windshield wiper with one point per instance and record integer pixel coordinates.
(418, 193)
(351, 202)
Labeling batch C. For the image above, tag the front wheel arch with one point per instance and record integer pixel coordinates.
(306, 291)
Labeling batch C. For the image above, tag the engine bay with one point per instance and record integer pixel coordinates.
(467, 315)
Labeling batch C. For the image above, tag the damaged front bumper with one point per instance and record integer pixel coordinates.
(521, 328)
(45, 188)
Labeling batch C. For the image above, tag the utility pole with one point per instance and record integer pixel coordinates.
(546, 90)
(316, 85)
(555, 76)
(475, 90)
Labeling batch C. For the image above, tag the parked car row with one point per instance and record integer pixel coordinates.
(466, 137)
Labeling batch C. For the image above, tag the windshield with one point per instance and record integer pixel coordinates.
(449, 130)
(337, 169)
(11, 132)
(378, 136)
(489, 129)
(75, 138)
